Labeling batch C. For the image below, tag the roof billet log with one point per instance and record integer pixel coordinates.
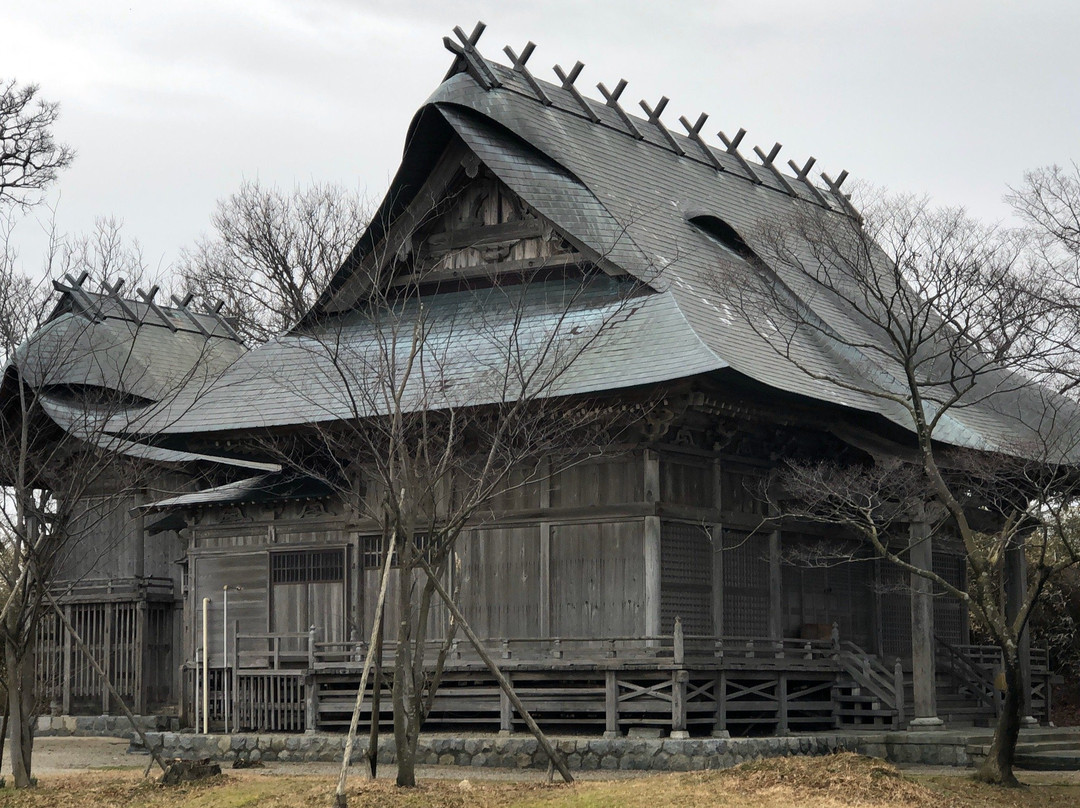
(530, 79)
(769, 161)
(568, 80)
(467, 54)
(802, 175)
(612, 98)
(732, 146)
(468, 59)
(694, 133)
(654, 114)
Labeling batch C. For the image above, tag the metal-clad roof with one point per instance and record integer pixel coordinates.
(629, 201)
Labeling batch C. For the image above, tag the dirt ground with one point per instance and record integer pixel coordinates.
(98, 772)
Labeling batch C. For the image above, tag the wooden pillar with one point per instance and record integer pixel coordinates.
(716, 535)
(611, 704)
(1015, 593)
(139, 705)
(68, 672)
(776, 600)
(923, 665)
(106, 653)
(312, 694)
(545, 550)
(506, 711)
(782, 724)
(652, 546)
(720, 729)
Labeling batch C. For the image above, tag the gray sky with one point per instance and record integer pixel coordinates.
(172, 104)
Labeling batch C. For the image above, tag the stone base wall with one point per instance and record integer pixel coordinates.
(523, 752)
(115, 726)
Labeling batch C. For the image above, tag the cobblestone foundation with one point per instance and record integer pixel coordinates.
(523, 752)
(115, 726)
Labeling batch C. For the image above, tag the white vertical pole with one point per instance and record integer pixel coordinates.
(206, 666)
(225, 653)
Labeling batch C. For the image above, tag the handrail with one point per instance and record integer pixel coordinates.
(869, 672)
(976, 675)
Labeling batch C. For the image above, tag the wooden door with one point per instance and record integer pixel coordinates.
(308, 589)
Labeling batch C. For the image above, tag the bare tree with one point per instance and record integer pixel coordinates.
(30, 157)
(74, 373)
(272, 252)
(931, 319)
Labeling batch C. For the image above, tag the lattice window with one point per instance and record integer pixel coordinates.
(686, 578)
(373, 550)
(746, 585)
(894, 596)
(949, 616)
(307, 566)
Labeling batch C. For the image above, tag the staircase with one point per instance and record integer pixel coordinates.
(1039, 749)
(865, 692)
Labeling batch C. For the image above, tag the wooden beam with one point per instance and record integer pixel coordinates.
(484, 235)
(802, 175)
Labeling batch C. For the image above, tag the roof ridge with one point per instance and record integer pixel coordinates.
(484, 71)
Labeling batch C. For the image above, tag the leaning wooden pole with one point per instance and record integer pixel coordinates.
(500, 677)
(108, 683)
(340, 800)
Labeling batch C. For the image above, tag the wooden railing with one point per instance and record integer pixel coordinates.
(659, 648)
(973, 670)
(102, 589)
(871, 674)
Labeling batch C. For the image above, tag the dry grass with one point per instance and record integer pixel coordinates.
(838, 781)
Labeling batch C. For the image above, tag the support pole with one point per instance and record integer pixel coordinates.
(923, 663)
(553, 755)
(225, 654)
(340, 800)
(205, 666)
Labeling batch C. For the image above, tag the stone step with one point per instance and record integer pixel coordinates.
(1061, 761)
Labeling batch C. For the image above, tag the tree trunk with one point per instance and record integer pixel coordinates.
(403, 699)
(376, 704)
(20, 679)
(998, 766)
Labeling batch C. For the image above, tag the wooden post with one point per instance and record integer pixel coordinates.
(311, 695)
(235, 667)
(140, 656)
(611, 704)
(506, 713)
(651, 548)
(720, 696)
(545, 550)
(776, 601)
(553, 755)
(678, 684)
(898, 690)
(66, 619)
(923, 663)
(716, 535)
(679, 679)
(106, 654)
(782, 727)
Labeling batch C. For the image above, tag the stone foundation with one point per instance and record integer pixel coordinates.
(517, 752)
(115, 726)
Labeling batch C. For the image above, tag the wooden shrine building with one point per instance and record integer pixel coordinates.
(644, 586)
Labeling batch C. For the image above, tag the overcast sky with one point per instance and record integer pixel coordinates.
(171, 105)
